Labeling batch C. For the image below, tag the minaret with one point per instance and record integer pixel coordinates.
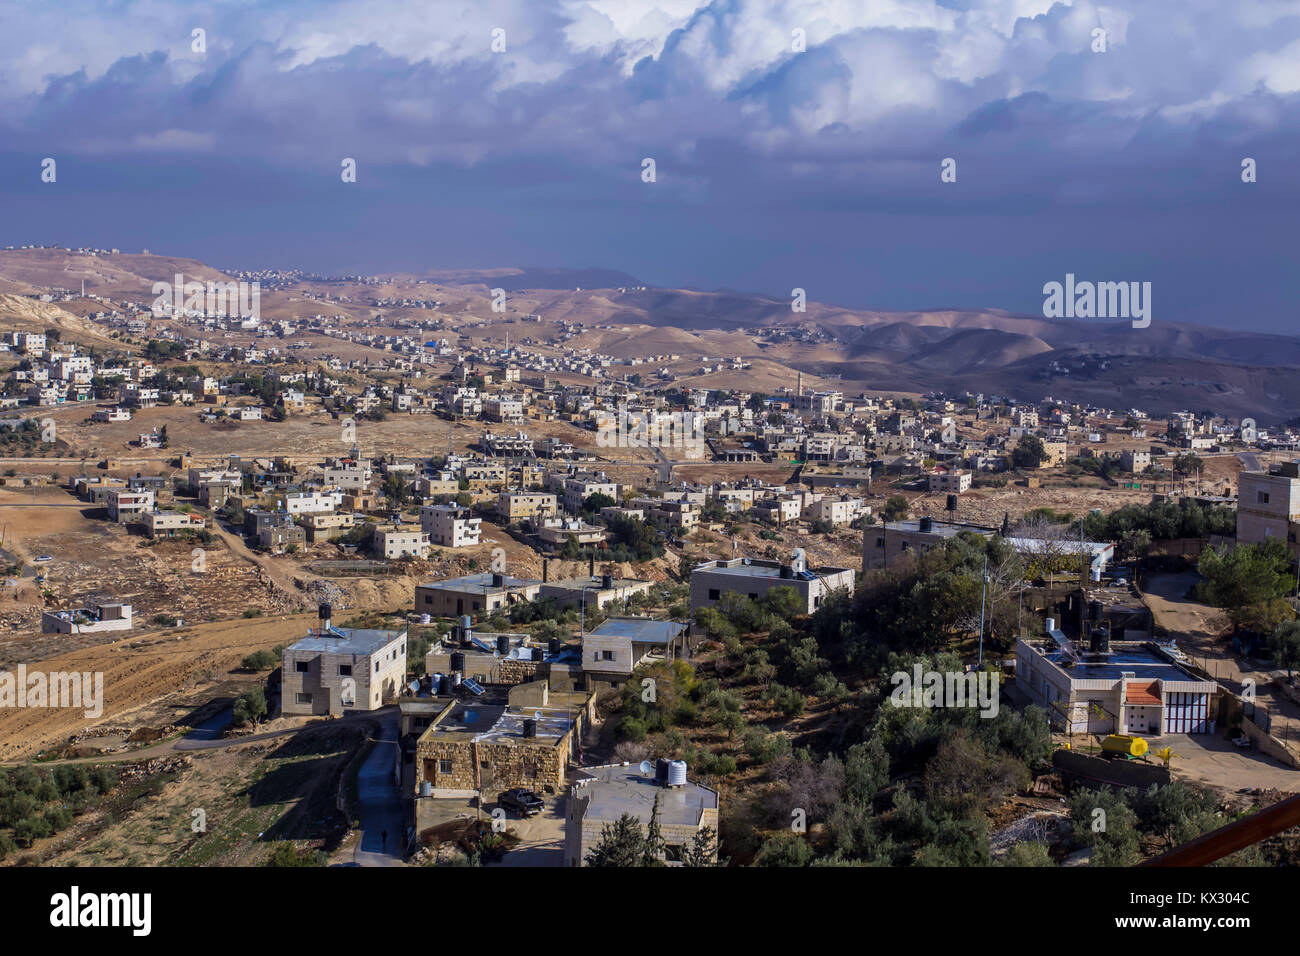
(800, 388)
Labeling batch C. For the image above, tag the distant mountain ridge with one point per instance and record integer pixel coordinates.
(1164, 367)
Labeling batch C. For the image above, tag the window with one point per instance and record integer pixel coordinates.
(376, 667)
(444, 766)
(304, 698)
(302, 667)
(880, 542)
(345, 670)
(714, 594)
(606, 655)
(1261, 497)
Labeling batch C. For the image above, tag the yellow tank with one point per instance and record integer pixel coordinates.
(1125, 746)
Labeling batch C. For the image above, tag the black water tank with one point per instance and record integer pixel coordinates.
(498, 580)
(554, 645)
(539, 654)
(952, 502)
(661, 771)
(787, 571)
(607, 581)
(1103, 639)
(530, 727)
(458, 662)
(503, 644)
(1094, 611)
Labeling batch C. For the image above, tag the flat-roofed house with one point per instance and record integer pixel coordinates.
(167, 524)
(753, 578)
(113, 616)
(473, 594)
(612, 651)
(1131, 688)
(602, 795)
(336, 669)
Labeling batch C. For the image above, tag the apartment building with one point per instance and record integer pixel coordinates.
(400, 542)
(1131, 459)
(517, 505)
(579, 489)
(307, 503)
(837, 511)
(1268, 505)
(450, 526)
(126, 506)
(952, 482)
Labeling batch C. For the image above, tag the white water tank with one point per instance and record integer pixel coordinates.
(677, 773)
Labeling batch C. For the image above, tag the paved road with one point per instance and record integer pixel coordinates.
(381, 807)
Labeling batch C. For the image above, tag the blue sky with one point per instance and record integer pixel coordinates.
(775, 167)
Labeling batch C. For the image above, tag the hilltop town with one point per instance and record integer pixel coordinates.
(477, 575)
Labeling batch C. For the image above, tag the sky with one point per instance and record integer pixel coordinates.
(795, 143)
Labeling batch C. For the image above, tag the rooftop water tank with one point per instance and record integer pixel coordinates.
(677, 773)
(503, 644)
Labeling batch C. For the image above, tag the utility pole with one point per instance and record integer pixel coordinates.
(983, 592)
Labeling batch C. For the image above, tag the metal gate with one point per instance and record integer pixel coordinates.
(1187, 713)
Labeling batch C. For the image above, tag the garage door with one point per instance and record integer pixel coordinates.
(1187, 713)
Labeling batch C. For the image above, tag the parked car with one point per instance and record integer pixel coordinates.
(521, 801)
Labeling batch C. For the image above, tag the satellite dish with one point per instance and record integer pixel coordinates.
(646, 768)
